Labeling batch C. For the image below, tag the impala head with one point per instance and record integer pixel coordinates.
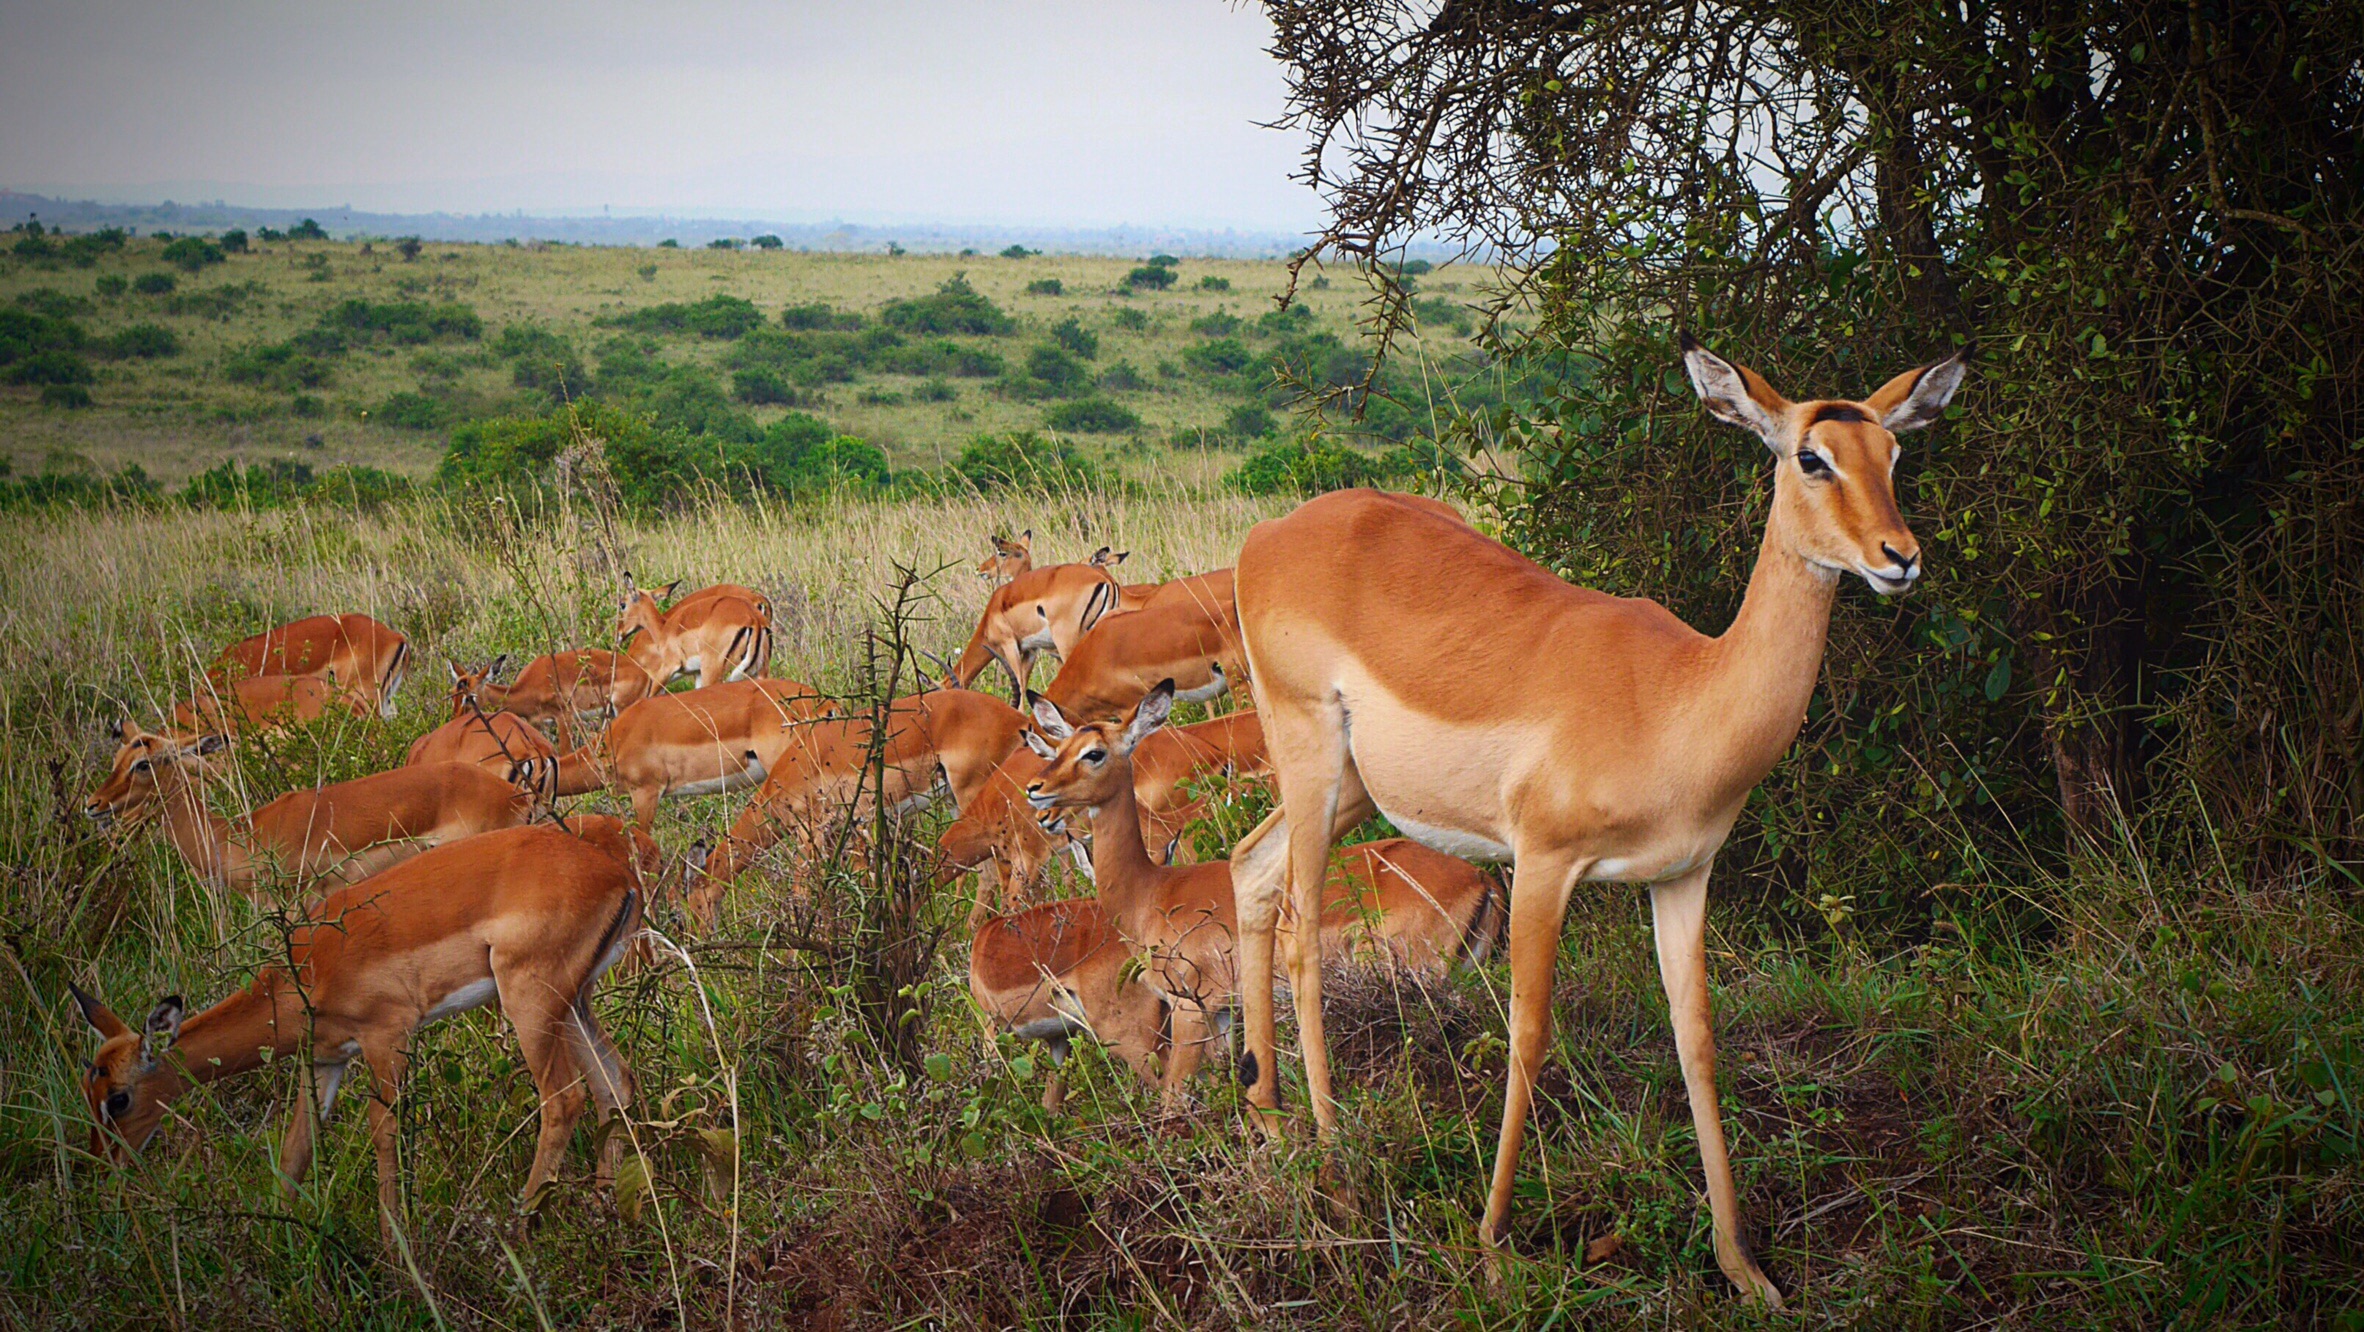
(140, 756)
(641, 608)
(1103, 558)
(1009, 558)
(1086, 766)
(466, 685)
(128, 1082)
(1836, 460)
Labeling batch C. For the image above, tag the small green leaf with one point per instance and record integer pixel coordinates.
(973, 1146)
(1998, 679)
(938, 1066)
(1022, 1068)
(632, 1188)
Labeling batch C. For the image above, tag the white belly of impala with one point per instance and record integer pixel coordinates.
(751, 775)
(475, 994)
(1451, 841)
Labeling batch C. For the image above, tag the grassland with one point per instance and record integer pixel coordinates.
(179, 414)
(2118, 1098)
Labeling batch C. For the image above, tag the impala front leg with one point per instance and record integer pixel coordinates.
(1259, 869)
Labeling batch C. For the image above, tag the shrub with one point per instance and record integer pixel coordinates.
(52, 366)
(1122, 377)
(1019, 252)
(668, 244)
(766, 242)
(1304, 467)
(1437, 312)
(191, 253)
(1154, 277)
(1221, 324)
(1093, 415)
(1282, 323)
(213, 302)
(1023, 459)
(408, 247)
(542, 360)
(25, 333)
(762, 386)
(1248, 421)
(112, 285)
(648, 272)
(1163, 261)
(935, 390)
(52, 303)
(820, 316)
(33, 246)
(412, 411)
(956, 307)
(307, 230)
(1212, 283)
(145, 341)
(153, 284)
(1134, 320)
(941, 356)
(404, 322)
(722, 243)
(1222, 356)
(1045, 287)
(718, 316)
(64, 395)
(234, 241)
(1071, 334)
(269, 234)
(276, 365)
(1057, 371)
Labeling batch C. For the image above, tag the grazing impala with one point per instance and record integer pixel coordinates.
(720, 738)
(1053, 971)
(1009, 558)
(558, 688)
(948, 733)
(1044, 609)
(1503, 714)
(720, 633)
(1188, 633)
(526, 918)
(495, 741)
(262, 703)
(1000, 834)
(345, 831)
(1418, 908)
(364, 656)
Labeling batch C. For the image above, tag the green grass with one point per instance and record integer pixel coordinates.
(2124, 1097)
(181, 414)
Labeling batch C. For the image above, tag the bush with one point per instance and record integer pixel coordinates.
(1045, 287)
(1153, 277)
(1163, 261)
(191, 253)
(1212, 283)
(1071, 334)
(153, 284)
(52, 366)
(269, 234)
(1437, 312)
(718, 316)
(668, 244)
(1097, 416)
(213, 302)
(144, 341)
(1304, 467)
(542, 360)
(956, 307)
(278, 365)
(1134, 320)
(408, 247)
(64, 395)
(234, 241)
(766, 242)
(1122, 377)
(1055, 372)
(112, 285)
(1019, 252)
(820, 317)
(1023, 459)
(404, 322)
(411, 411)
(52, 303)
(1283, 323)
(722, 243)
(1249, 421)
(762, 386)
(1223, 356)
(24, 333)
(1221, 324)
(307, 230)
(935, 390)
(283, 481)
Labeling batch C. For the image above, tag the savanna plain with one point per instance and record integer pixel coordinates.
(2108, 1093)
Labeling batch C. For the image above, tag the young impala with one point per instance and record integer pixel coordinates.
(1009, 558)
(1043, 609)
(496, 741)
(720, 738)
(1188, 633)
(364, 656)
(526, 918)
(558, 689)
(720, 633)
(1502, 714)
(345, 831)
(949, 733)
(262, 703)
(1416, 907)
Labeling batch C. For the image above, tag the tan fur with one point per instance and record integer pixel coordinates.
(1188, 633)
(357, 652)
(537, 913)
(730, 734)
(342, 832)
(1009, 559)
(1405, 663)
(263, 703)
(559, 688)
(1041, 610)
(718, 633)
(495, 741)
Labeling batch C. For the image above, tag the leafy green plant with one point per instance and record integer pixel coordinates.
(153, 284)
(1071, 334)
(1150, 277)
(1045, 287)
(954, 307)
(1093, 415)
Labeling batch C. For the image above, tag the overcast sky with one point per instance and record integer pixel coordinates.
(1081, 112)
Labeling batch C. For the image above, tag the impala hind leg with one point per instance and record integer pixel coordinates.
(1679, 916)
(387, 1067)
(1538, 906)
(542, 1023)
(609, 1082)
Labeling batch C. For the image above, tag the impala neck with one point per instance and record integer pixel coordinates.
(229, 1038)
(1125, 875)
(202, 839)
(1765, 666)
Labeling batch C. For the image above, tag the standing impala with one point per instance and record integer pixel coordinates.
(1419, 908)
(948, 733)
(364, 656)
(1188, 633)
(701, 742)
(496, 741)
(1009, 558)
(1046, 608)
(344, 831)
(1502, 714)
(720, 633)
(527, 919)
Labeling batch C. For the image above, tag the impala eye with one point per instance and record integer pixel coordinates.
(1811, 463)
(117, 1104)
(141, 766)
(1095, 755)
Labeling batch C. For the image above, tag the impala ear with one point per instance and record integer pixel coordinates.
(1156, 706)
(101, 1018)
(162, 1028)
(1047, 716)
(1917, 398)
(209, 745)
(1026, 538)
(665, 593)
(1737, 395)
(493, 668)
(457, 675)
(1118, 558)
(119, 729)
(1040, 746)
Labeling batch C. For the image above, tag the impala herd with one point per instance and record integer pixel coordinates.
(1400, 663)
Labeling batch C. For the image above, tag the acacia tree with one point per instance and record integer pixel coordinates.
(2149, 215)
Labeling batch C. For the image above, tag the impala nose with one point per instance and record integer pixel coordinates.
(1908, 567)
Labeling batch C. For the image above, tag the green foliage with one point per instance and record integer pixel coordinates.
(820, 316)
(718, 316)
(279, 365)
(112, 285)
(1019, 252)
(233, 241)
(212, 302)
(55, 487)
(406, 323)
(955, 307)
(26, 333)
(280, 482)
(1053, 371)
(1024, 460)
(543, 361)
(1311, 466)
(1435, 312)
(53, 365)
(1093, 415)
(1210, 282)
(1150, 277)
(1122, 377)
(412, 411)
(1163, 261)
(409, 247)
(767, 241)
(1222, 356)
(191, 253)
(668, 244)
(722, 243)
(1249, 421)
(935, 390)
(307, 230)
(65, 395)
(153, 284)
(1071, 334)
(1220, 324)
(1045, 287)
(1130, 319)
(761, 385)
(143, 341)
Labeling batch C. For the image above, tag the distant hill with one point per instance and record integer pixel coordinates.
(649, 229)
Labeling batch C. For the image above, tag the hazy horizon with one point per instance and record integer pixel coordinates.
(917, 111)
